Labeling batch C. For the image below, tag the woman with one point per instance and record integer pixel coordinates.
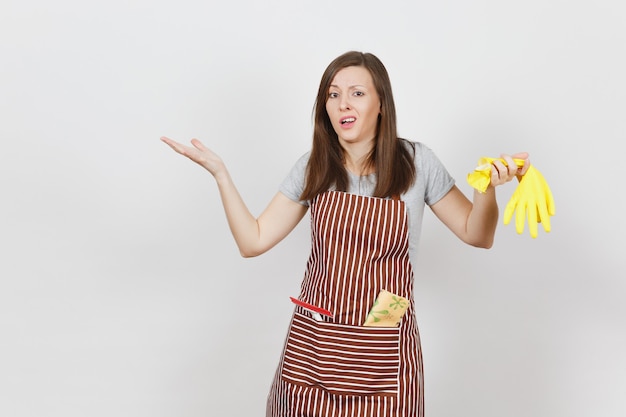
(366, 189)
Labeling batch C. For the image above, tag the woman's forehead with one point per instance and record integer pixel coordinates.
(352, 76)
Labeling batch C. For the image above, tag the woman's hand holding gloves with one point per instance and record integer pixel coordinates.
(531, 198)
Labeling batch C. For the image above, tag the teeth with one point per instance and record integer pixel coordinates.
(348, 120)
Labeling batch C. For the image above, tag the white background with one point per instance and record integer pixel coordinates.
(121, 290)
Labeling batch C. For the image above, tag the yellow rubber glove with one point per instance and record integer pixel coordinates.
(532, 197)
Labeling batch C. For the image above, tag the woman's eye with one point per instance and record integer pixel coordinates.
(333, 95)
(359, 93)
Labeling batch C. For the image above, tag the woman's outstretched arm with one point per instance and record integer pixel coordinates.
(253, 236)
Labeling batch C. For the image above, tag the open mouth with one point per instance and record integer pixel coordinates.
(348, 120)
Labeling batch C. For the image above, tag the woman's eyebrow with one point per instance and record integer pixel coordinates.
(350, 86)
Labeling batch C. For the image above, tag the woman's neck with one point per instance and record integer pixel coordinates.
(355, 157)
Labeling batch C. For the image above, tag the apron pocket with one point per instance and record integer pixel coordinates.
(342, 359)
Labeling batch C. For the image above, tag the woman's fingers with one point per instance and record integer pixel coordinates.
(500, 172)
(511, 166)
(199, 154)
(178, 147)
(190, 152)
(505, 169)
(199, 145)
(522, 155)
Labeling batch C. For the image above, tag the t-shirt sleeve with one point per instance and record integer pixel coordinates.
(438, 180)
(293, 185)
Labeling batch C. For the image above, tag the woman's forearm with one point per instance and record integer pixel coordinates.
(243, 225)
(483, 219)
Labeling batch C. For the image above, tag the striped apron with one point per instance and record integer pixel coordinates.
(337, 367)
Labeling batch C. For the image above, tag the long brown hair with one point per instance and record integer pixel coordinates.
(390, 157)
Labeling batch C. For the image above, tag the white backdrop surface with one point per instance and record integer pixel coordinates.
(121, 290)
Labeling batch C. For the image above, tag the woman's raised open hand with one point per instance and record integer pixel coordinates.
(199, 154)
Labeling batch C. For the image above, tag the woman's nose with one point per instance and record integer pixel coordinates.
(344, 104)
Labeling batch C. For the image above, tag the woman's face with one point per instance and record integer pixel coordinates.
(353, 105)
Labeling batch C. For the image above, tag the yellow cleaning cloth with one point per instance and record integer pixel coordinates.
(532, 197)
(387, 310)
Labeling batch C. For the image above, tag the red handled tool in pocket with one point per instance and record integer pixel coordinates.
(315, 311)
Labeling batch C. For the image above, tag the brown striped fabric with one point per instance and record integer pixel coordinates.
(343, 360)
(338, 367)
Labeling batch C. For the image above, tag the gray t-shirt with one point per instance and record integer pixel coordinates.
(432, 182)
